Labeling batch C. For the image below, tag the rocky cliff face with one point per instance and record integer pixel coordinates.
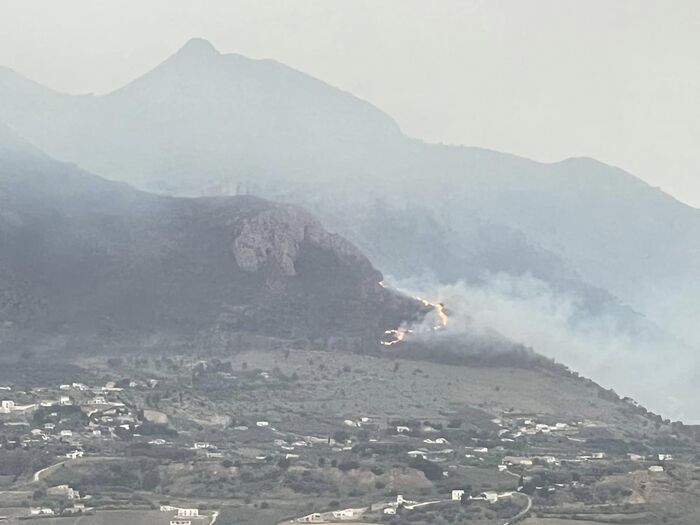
(278, 234)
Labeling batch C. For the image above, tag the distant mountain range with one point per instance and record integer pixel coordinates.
(613, 255)
(85, 262)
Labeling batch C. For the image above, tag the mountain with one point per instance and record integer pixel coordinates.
(610, 261)
(85, 261)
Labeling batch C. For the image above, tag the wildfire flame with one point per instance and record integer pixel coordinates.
(399, 334)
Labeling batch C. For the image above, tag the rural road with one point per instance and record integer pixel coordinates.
(523, 512)
(38, 473)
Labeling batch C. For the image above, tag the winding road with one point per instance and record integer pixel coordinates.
(522, 513)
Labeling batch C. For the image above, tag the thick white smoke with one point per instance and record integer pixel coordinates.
(529, 311)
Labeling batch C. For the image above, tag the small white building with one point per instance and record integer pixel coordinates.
(43, 511)
(517, 460)
(64, 491)
(347, 514)
(402, 429)
(187, 513)
(656, 469)
(7, 406)
(75, 454)
(490, 496)
(64, 401)
(315, 517)
(262, 424)
(457, 495)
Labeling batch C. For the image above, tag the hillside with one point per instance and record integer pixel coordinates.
(577, 245)
(262, 437)
(85, 262)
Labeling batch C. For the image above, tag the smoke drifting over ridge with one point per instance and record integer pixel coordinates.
(529, 311)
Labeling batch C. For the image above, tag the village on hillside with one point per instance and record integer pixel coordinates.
(180, 438)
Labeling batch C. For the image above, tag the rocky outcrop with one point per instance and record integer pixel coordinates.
(276, 235)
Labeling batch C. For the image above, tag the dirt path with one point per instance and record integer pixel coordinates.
(523, 512)
(37, 475)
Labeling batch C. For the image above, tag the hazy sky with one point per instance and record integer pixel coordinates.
(618, 80)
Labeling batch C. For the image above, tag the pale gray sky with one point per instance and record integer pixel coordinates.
(618, 80)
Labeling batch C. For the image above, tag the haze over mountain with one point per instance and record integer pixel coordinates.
(581, 249)
(87, 264)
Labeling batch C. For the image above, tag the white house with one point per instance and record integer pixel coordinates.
(517, 460)
(6, 406)
(75, 454)
(347, 514)
(64, 401)
(262, 424)
(656, 469)
(457, 495)
(315, 517)
(402, 429)
(63, 490)
(66, 433)
(187, 513)
(44, 511)
(167, 508)
(490, 496)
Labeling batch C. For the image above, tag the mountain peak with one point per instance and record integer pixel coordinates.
(198, 47)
